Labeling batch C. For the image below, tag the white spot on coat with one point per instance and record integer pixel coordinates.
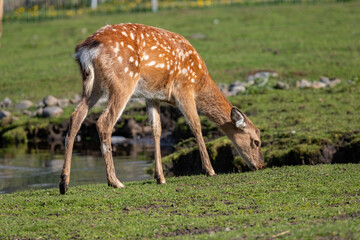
(126, 69)
(151, 63)
(160, 65)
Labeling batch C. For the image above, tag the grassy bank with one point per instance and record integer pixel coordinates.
(298, 41)
(307, 202)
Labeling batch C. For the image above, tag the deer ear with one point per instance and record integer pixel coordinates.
(238, 118)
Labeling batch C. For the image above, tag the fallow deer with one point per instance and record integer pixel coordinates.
(134, 60)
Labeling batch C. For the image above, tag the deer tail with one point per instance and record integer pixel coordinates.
(85, 55)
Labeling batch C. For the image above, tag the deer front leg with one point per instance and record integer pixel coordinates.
(187, 105)
(155, 123)
(76, 119)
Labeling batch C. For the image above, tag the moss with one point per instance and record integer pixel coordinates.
(16, 135)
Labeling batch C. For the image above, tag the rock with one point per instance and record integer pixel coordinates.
(318, 85)
(118, 140)
(198, 36)
(103, 100)
(50, 101)
(76, 99)
(38, 112)
(27, 112)
(224, 88)
(324, 80)
(303, 83)
(24, 104)
(281, 85)
(52, 111)
(4, 114)
(64, 102)
(261, 75)
(237, 89)
(7, 102)
(40, 104)
(334, 82)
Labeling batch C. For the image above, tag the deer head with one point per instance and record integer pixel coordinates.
(246, 138)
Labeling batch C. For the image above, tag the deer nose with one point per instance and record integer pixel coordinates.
(260, 166)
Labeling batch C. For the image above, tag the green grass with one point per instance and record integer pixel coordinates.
(304, 202)
(298, 39)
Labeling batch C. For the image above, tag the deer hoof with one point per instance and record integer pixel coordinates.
(116, 184)
(63, 187)
(210, 174)
(160, 181)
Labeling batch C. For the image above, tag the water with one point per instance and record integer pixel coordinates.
(24, 168)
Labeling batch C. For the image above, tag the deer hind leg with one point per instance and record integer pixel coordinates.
(118, 98)
(155, 123)
(187, 105)
(76, 119)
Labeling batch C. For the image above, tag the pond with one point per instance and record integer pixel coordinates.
(28, 167)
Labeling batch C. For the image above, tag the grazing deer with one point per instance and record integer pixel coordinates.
(134, 60)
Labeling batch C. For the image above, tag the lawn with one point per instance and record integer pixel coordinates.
(296, 40)
(303, 202)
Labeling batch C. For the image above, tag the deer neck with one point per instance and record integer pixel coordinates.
(213, 104)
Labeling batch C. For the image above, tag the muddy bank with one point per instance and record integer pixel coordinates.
(345, 149)
(133, 129)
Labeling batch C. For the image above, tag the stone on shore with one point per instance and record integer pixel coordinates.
(24, 104)
(52, 112)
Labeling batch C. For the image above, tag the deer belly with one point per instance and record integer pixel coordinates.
(141, 92)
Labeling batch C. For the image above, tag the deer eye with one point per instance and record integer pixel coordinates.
(257, 143)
